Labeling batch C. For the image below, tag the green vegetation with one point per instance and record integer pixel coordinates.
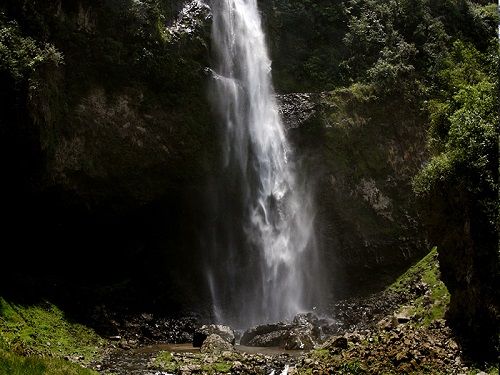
(493, 370)
(44, 330)
(320, 354)
(20, 55)
(400, 72)
(459, 188)
(464, 129)
(431, 306)
(13, 364)
(353, 367)
(34, 340)
(397, 45)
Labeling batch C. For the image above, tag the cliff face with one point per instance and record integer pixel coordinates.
(128, 95)
(361, 153)
(107, 140)
(364, 137)
(118, 144)
(109, 143)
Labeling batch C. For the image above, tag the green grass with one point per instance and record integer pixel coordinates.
(44, 330)
(433, 306)
(13, 364)
(34, 340)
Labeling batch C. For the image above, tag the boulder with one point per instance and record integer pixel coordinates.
(270, 339)
(302, 334)
(225, 332)
(216, 344)
(266, 335)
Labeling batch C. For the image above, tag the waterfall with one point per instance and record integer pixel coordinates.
(262, 264)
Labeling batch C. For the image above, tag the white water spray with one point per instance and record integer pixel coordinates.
(269, 271)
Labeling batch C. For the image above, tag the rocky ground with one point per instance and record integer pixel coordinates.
(401, 330)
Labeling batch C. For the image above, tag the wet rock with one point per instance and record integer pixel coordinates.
(204, 331)
(270, 339)
(299, 341)
(306, 332)
(266, 335)
(297, 108)
(191, 19)
(303, 319)
(216, 344)
(386, 324)
(303, 333)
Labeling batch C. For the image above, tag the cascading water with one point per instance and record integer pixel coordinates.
(263, 264)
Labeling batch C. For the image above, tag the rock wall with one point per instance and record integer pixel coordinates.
(360, 154)
(107, 153)
(117, 143)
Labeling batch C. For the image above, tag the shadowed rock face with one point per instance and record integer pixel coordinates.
(106, 156)
(107, 160)
(361, 154)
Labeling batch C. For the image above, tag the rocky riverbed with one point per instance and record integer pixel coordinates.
(401, 330)
(394, 345)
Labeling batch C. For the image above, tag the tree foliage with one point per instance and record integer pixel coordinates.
(21, 55)
(463, 135)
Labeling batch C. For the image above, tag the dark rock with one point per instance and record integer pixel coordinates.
(302, 319)
(270, 339)
(340, 342)
(268, 334)
(305, 331)
(198, 338)
(298, 108)
(401, 318)
(336, 342)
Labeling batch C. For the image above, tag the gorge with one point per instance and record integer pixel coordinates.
(157, 178)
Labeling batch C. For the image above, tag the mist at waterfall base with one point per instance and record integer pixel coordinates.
(261, 260)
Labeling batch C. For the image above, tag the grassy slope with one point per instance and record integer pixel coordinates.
(433, 304)
(35, 339)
